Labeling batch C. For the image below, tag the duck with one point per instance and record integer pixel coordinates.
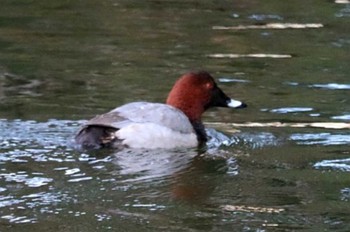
(177, 123)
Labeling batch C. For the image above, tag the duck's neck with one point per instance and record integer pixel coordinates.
(194, 113)
(200, 131)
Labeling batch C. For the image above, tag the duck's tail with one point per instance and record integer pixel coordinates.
(95, 137)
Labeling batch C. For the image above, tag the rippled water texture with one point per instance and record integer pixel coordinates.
(282, 164)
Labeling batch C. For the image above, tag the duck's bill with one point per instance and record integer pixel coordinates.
(236, 104)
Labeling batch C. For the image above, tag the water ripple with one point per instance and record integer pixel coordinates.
(345, 12)
(20, 177)
(342, 117)
(341, 43)
(217, 139)
(48, 135)
(336, 164)
(262, 17)
(345, 194)
(258, 140)
(232, 80)
(286, 110)
(29, 204)
(8, 201)
(326, 139)
(18, 219)
(80, 179)
(331, 86)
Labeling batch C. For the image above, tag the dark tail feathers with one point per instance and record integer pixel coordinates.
(95, 137)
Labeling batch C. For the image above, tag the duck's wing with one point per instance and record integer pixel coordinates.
(110, 119)
(157, 113)
(100, 131)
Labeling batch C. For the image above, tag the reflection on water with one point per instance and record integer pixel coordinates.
(326, 139)
(262, 17)
(332, 86)
(56, 175)
(51, 164)
(345, 12)
(345, 194)
(280, 165)
(258, 140)
(258, 55)
(22, 177)
(228, 80)
(337, 164)
(26, 134)
(329, 86)
(342, 1)
(145, 165)
(53, 179)
(272, 26)
(341, 43)
(342, 117)
(11, 85)
(286, 110)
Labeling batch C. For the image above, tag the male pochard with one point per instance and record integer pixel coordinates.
(154, 125)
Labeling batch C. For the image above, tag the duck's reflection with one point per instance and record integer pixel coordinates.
(190, 173)
(197, 182)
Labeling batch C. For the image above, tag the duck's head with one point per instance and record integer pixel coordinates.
(195, 92)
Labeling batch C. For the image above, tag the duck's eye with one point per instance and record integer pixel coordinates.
(209, 85)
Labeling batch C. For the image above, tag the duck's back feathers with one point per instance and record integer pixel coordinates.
(165, 126)
(160, 114)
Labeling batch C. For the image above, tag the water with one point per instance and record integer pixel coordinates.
(280, 165)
